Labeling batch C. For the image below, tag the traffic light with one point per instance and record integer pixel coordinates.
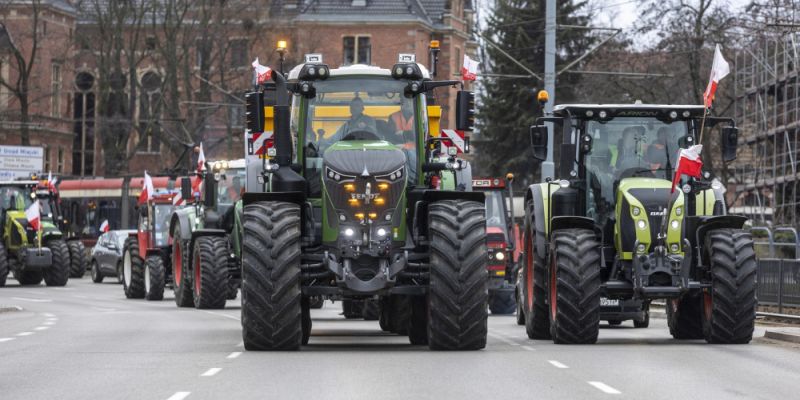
(254, 111)
(465, 110)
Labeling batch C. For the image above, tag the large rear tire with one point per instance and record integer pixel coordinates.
(271, 296)
(502, 303)
(210, 268)
(729, 306)
(371, 310)
(685, 317)
(534, 290)
(457, 317)
(3, 265)
(58, 273)
(132, 270)
(154, 278)
(352, 309)
(77, 261)
(575, 287)
(29, 277)
(182, 285)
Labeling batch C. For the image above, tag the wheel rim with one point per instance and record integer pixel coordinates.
(197, 272)
(147, 276)
(126, 268)
(529, 270)
(177, 262)
(553, 291)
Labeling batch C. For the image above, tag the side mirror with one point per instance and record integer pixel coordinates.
(186, 188)
(730, 140)
(465, 110)
(538, 135)
(685, 142)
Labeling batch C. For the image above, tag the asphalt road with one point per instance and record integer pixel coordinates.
(86, 341)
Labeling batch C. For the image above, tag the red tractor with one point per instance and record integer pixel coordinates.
(147, 252)
(500, 241)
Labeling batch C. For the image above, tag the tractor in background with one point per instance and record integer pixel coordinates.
(47, 193)
(613, 228)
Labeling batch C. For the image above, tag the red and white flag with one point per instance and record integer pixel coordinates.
(201, 159)
(33, 216)
(51, 182)
(104, 227)
(469, 71)
(262, 73)
(719, 70)
(147, 189)
(689, 163)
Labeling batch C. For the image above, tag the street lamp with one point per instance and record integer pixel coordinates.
(281, 49)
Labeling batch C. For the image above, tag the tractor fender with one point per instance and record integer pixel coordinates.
(536, 195)
(706, 224)
(298, 198)
(430, 196)
(572, 221)
(203, 233)
(180, 219)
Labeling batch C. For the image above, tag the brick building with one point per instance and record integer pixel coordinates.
(69, 79)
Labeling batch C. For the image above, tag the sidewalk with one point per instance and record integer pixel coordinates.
(783, 334)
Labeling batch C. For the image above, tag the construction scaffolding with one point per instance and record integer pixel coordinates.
(767, 111)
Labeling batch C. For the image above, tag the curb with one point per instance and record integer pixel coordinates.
(783, 336)
(9, 308)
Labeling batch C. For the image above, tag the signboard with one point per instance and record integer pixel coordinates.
(20, 161)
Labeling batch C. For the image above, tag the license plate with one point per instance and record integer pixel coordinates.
(604, 302)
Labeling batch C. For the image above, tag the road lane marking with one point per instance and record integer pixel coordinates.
(529, 348)
(234, 355)
(603, 387)
(32, 300)
(504, 339)
(6, 339)
(41, 328)
(104, 309)
(25, 333)
(223, 315)
(49, 323)
(557, 364)
(48, 315)
(240, 344)
(211, 372)
(179, 395)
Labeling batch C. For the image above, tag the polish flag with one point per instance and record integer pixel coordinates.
(147, 189)
(719, 70)
(104, 227)
(32, 214)
(201, 158)
(469, 71)
(51, 182)
(262, 73)
(689, 163)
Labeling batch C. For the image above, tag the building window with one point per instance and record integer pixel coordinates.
(150, 113)
(47, 162)
(4, 93)
(238, 52)
(55, 88)
(357, 50)
(83, 111)
(60, 160)
(150, 43)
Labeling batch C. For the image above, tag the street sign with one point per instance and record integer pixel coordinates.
(20, 161)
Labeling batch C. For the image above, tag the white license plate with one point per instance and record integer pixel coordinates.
(604, 302)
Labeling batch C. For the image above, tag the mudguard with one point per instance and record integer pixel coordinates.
(298, 198)
(181, 219)
(572, 221)
(538, 196)
(703, 225)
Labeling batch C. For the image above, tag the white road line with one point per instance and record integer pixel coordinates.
(41, 328)
(211, 372)
(234, 355)
(6, 339)
(47, 314)
(603, 387)
(557, 364)
(240, 344)
(504, 339)
(25, 333)
(223, 315)
(33, 300)
(49, 323)
(179, 395)
(529, 348)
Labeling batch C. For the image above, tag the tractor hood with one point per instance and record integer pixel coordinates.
(640, 206)
(362, 158)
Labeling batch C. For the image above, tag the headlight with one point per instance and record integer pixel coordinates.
(500, 256)
(678, 211)
(641, 224)
(337, 176)
(636, 211)
(381, 232)
(349, 232)
(674, 248)
(674, 224)
(641, 248)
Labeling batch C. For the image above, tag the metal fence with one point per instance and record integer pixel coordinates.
(778, 266)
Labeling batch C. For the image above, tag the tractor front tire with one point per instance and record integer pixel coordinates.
(58, 273)
(575, 287)
(77, 262)
(3, 265)
(520, 313)
(502, 302)
(210, 269)
(154, 278)
(534, 290)
(399, 314)
(418, 320)
(685, 317)
(271, 296)
(645, 321)
(182, 285)
(132, 270)
(729, 306)
(457, 318)
(371, 310)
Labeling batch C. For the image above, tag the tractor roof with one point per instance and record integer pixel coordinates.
(357, 70)
(19, 183)
(628, 110)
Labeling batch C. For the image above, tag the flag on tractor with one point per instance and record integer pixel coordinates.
(147, 189)
(201, 158)
(262, 73)
(689, 163)
(104, 227)
(719, 70)
(51, 182)
(33, 216)
(469, 71)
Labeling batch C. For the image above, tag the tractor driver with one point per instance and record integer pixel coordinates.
(235, 189)
(658, 152)
(402, 123)
(628, 149)
(358, 121)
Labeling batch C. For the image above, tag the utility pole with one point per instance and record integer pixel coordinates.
(548, 167)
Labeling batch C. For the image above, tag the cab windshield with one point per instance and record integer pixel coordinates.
(229, 187)
(15, 198)
(161, 215)
(495, 210)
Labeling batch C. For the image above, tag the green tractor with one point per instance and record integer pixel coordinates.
(48, 195)
(206, 249)
(613, 232)
(31, 255)
(347, 210)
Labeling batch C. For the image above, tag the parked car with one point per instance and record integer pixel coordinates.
(106, 257)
